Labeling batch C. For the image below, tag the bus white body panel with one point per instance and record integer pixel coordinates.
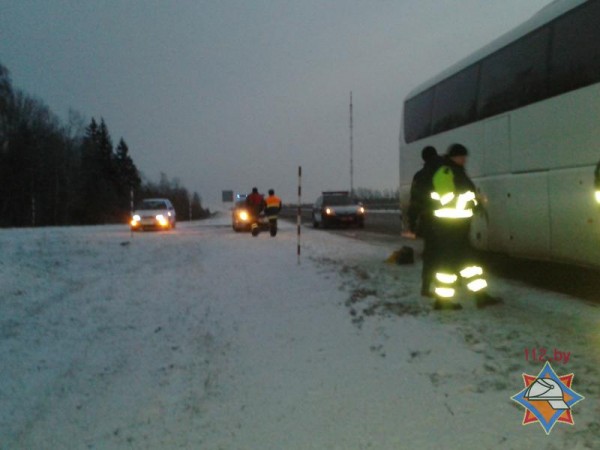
(533, 167)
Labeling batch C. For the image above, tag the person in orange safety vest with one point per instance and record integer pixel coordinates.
(272, 208)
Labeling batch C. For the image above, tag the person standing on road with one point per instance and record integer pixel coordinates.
(272, 208)
(256, 204)
(454, 199)
(420, 211)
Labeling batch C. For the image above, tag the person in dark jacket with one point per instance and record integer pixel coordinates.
(454, 199)
(272, 208)
(420, 211)
(256, 203)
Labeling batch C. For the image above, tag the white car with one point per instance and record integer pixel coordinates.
(153, 213)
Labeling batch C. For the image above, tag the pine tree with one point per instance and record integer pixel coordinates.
(6, 100)
(127, 174)
(100, 200)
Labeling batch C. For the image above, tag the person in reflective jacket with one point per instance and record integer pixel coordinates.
(272, 208)
(454, 199)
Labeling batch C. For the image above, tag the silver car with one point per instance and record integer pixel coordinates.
(154, 213)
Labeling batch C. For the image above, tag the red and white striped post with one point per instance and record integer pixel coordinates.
(299, 217)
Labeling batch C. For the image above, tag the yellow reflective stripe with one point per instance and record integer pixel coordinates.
(443, 199)
(463, 199)
(460, 210)
(467, 196)
(472, 271)
(477, 285)
(447, 198)
(598, 196)
(451, 213)
(444, 292)
(446, 278)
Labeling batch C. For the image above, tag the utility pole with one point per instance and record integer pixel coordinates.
(351, 150)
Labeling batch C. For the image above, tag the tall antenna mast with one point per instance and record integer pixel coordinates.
(351, 150)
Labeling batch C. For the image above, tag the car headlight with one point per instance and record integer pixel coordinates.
(598, 196)
(162, 221)
(361, 210)
(136, 218)
(329, 211)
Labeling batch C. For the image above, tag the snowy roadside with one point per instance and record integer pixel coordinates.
(381, 298)
(203, 338)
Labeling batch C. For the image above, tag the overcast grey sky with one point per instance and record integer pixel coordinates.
(229, 94)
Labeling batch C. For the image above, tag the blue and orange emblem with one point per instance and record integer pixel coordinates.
(548, 398)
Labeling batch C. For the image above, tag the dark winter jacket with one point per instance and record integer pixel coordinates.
(256, 203)
(420, 207)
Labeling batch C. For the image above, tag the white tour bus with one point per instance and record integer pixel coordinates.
(527, 107)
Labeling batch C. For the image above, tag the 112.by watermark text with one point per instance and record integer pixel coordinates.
(542, 355)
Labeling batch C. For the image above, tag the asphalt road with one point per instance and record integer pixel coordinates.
(379, 221)
(580, 282)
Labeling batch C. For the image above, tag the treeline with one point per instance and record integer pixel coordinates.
(184, 204)
(53, 173)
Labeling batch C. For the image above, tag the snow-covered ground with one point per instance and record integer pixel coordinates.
(203, 338)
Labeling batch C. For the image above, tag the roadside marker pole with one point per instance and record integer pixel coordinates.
(299, 217)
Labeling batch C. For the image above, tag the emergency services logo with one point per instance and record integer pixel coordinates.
(548, 398)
